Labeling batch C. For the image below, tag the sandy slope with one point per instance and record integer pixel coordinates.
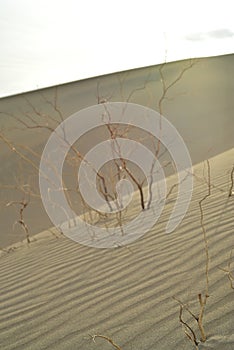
(54, 292)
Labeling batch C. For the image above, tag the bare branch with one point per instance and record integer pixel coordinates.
(114, 133)
(162, 99)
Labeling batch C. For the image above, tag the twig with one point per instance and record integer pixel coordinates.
(21, 221)
(185, 307)
(231, 191)
(229, 272)
(203, 300)
(188, 330)
(204, 229)
(191, 335)
(107, 339)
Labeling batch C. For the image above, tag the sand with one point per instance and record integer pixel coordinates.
(55, 293)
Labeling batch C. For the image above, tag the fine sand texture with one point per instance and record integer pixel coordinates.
(57, 294)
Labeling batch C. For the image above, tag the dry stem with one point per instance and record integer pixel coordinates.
(229, 272)
(162, 99)
(107, 339)
(21, 221)
(231, 191)
(202, 299)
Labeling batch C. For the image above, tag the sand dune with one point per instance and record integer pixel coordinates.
(54, 293)
(200, 105)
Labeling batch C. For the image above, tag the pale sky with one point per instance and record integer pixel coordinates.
(49, 42)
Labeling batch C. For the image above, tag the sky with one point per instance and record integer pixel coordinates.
(49, 42)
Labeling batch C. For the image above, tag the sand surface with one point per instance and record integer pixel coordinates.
(55, 293)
